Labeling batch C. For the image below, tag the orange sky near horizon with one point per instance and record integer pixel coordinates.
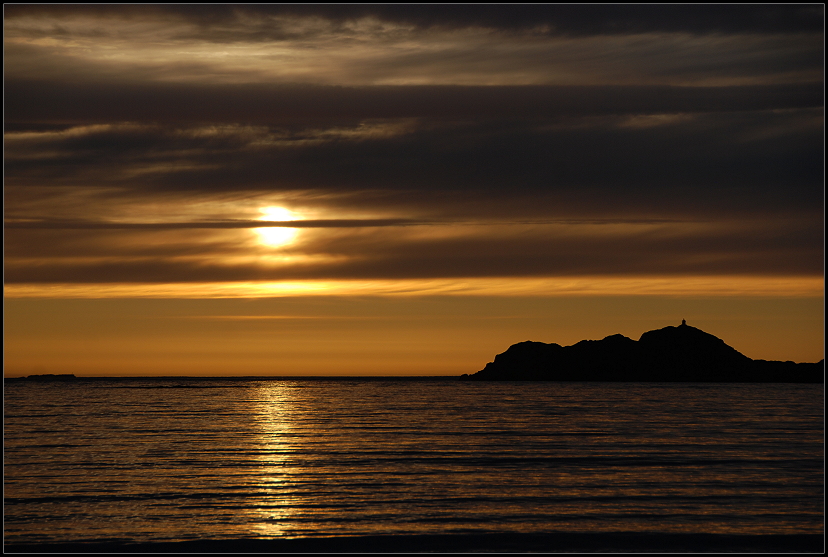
(369, 335)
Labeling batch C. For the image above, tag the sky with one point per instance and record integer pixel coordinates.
(405, 190)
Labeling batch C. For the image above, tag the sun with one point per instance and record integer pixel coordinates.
(275, 236)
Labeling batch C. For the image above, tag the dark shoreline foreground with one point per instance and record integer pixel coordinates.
(458, 543)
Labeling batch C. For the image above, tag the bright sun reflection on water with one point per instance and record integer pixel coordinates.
(278, 235)
(272, 417)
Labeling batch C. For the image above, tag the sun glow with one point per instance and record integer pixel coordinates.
(276, 236)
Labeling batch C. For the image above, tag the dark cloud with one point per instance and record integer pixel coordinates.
(558, 19)
(61, 102)
(369, 54)
(110, 163)
(387, 249)
(708, 163)
(229, 224)
(755, 249)
(75, 245)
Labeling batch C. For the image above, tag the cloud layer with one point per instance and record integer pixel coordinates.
(418, 142)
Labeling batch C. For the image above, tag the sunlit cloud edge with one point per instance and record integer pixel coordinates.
(673, 286)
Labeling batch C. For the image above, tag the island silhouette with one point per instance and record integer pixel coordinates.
(671, 354)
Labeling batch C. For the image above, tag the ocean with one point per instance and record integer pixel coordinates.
(411, 464)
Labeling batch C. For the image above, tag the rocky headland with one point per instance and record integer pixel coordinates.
(671, 354)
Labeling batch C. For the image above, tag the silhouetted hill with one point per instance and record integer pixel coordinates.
(682, 353)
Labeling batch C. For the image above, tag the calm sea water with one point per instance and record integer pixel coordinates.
(148, 460)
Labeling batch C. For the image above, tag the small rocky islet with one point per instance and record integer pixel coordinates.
(671, 354)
